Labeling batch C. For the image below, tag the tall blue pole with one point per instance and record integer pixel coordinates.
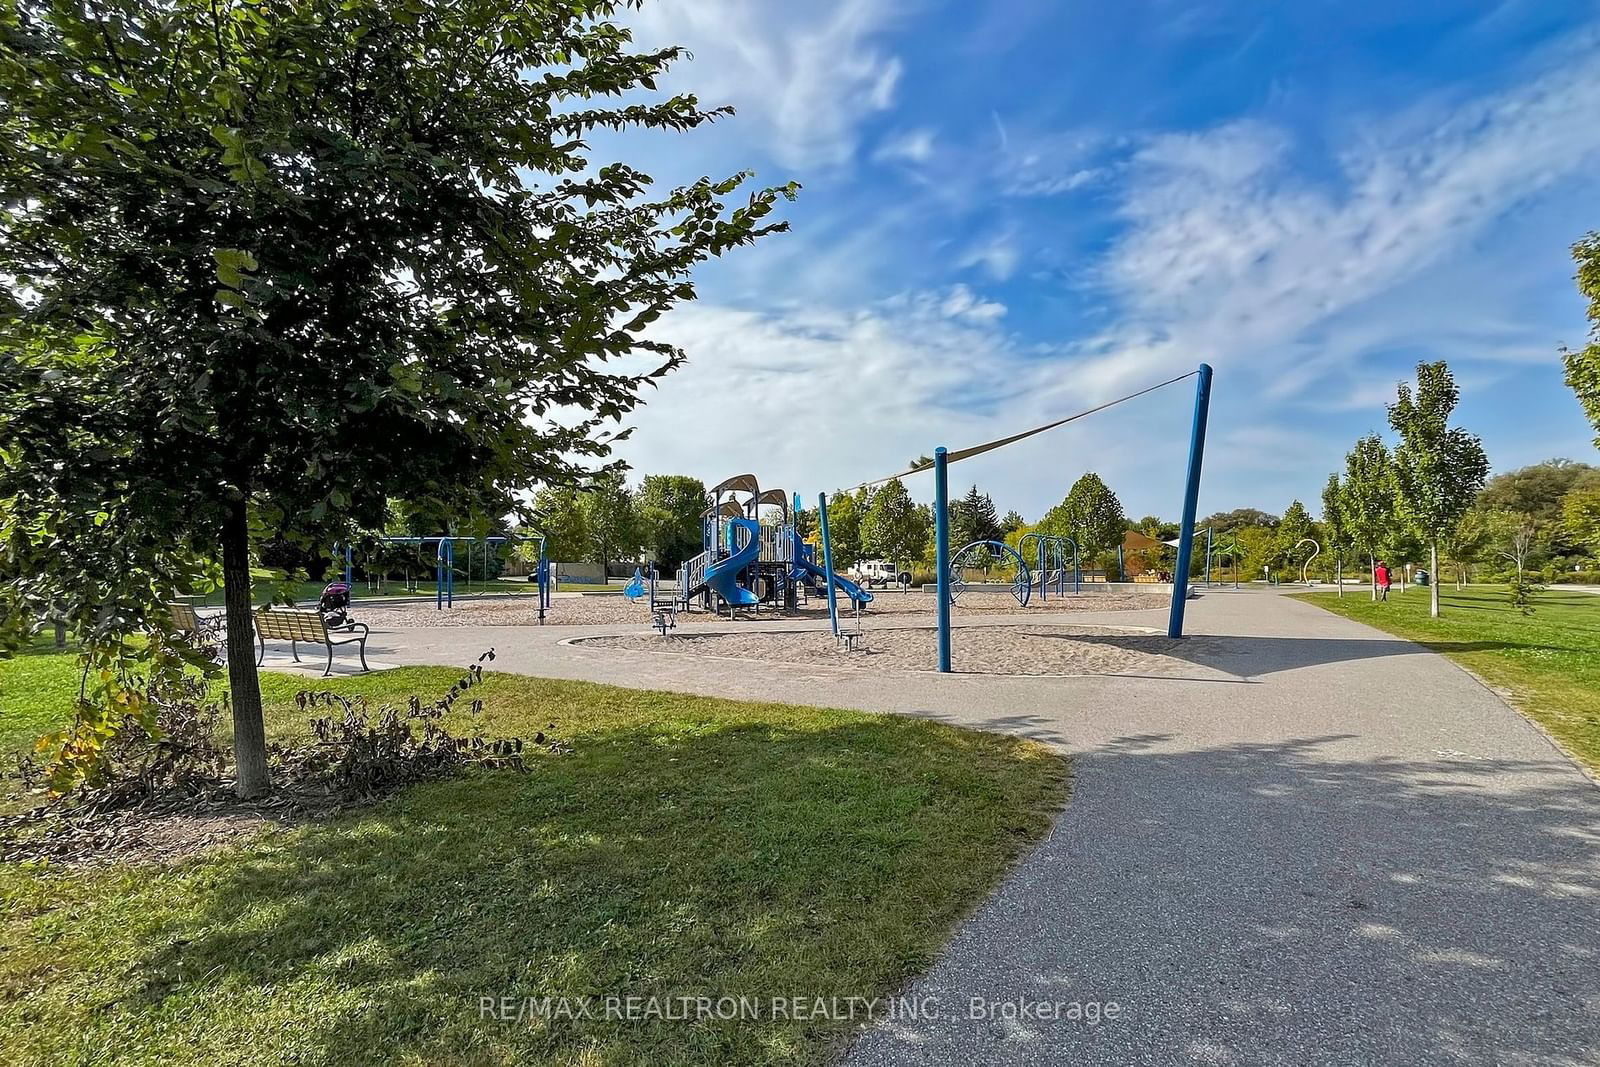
(827, 562)
(941, 551)
(1191, 500)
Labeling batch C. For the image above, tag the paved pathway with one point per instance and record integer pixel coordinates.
(1328, 846)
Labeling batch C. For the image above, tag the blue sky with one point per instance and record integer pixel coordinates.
(1013, 211)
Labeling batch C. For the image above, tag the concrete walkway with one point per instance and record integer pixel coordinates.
(1325, 845)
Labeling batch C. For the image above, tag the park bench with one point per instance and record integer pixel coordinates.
(294, 626)
(205, 629)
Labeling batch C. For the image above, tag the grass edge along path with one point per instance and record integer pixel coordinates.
(1546, 665)
(685, 847)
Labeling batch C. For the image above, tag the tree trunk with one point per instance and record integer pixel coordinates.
(1372, 564)
(249, 729)
(1433, 580)
(61, 635)
(1338, 575)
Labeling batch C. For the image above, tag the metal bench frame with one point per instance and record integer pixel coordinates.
(293, 626)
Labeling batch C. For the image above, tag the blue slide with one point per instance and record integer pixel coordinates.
(846, 586)
(723, 576)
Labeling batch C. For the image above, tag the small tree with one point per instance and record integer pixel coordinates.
(1465, 543)
(1294, 528)
(895, 527)
(1438, 469)
(1368, 497)
(1583, 365)
(1515, 535)
(268, 264)
(1334, 528)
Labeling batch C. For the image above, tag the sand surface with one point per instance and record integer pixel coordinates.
(618, 610)
(1046, 649)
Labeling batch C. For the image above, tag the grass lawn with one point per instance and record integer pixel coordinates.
(1549, 662)
(684, 847)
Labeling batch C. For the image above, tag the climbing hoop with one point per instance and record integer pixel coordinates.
(1021, 584)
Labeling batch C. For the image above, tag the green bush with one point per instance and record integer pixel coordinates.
(1577, 578)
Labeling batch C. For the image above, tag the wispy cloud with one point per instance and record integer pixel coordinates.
(806, 74)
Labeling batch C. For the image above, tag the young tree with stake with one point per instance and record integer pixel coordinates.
(1368, 499)
(1438, 469)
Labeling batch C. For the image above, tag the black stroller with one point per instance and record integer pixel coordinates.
(335, 605)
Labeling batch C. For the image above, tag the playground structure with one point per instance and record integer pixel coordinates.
(970, 554)
(1305, 568)
(752, 555)
(1052, 556)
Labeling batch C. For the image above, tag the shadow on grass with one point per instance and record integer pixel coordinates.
(1296, 894)
(718, 858)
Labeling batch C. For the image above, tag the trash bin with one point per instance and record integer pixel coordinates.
(1421, 578)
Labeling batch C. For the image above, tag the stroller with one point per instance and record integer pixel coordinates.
(335, 605)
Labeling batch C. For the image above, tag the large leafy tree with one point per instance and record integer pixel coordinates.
(1438, 468)
(1580, 512)
(670, 506)
(610, 519)
(1091, 514)
(1583, 365)
(846, 512)
(269, 264)
(1368, 498)
(895, 528)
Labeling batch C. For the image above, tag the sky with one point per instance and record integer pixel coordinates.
(1013, 211)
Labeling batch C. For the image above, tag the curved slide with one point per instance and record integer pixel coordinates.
(845, 585)
(722, 576)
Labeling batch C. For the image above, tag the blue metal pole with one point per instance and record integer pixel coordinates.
(1077, 570)
(1191, 499)
(941, 550)
(438, 577)
(827, 562)
(1122, 565)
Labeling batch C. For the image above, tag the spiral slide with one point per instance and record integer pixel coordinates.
(722, 576)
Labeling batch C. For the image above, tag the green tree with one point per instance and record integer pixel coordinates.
(1294, 527)
(1091, 514)
(558, 515)
(1010, 523)
(1466, 542)
(895, 528)
(1368, 497)
(845, 514)
(1438, 469)
(610, 519)
(269, 264)
(1583, 365)
(974, 518)
(669, 508)
(1580, 512)
(1334, 529)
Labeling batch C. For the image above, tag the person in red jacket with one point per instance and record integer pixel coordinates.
(1380, 575)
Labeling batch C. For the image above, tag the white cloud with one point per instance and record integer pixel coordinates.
(997, 254)
(808, 74)
(1231, 251)
(909, 146)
